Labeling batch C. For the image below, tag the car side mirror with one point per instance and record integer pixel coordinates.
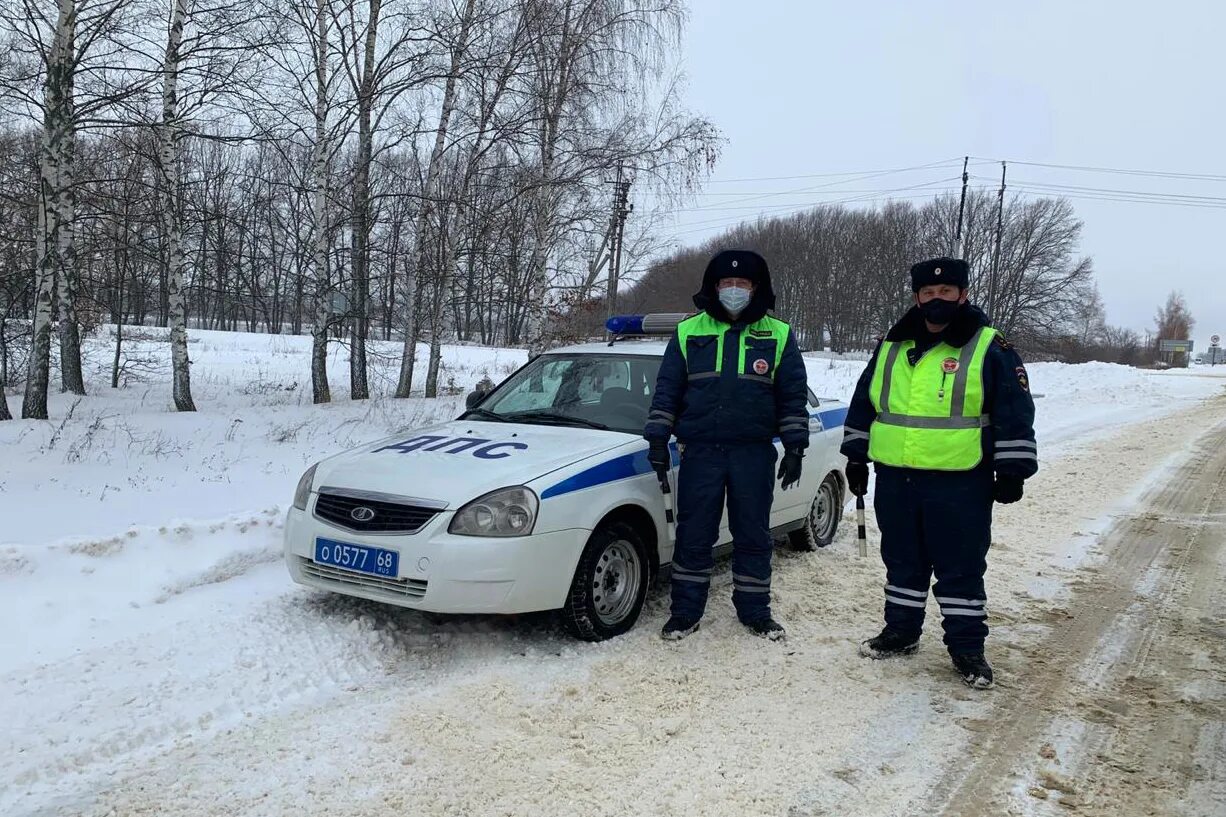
(475, 397)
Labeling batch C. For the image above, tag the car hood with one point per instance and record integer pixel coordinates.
(459, 461)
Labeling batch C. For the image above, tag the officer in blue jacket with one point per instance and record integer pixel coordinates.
(732, 380)
(945, 413)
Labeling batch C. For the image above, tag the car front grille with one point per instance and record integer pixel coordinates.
(383, 515)
(412, 589)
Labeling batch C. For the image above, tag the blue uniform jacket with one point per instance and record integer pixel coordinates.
(1008, 443)
(730, 409)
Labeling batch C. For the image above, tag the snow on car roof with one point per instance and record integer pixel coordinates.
(637, 348)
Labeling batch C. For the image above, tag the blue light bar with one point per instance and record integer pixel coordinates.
(625, 325)
(656, 323)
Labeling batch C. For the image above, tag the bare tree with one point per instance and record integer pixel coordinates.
(378, 76)
(170, 135)
(1174, 321)
(321, 155)
(68, 66)
(430, 194)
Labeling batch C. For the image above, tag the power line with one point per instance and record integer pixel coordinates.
(876, 195)
(726, 221)
(862, 177)
(1138, 193)
(829, 175)
(1208, 177)
(871, 191)
(1039, 192)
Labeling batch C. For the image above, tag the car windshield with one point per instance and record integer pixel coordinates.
(594, 391)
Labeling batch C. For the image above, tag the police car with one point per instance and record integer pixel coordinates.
(538, 497)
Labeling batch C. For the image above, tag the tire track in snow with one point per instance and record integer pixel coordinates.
(1051, 693)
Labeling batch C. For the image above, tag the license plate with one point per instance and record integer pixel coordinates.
(359, 558)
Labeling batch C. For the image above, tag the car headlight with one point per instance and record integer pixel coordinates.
(303, 492)
(505, 512)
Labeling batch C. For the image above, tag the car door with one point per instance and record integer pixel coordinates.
(794, 503)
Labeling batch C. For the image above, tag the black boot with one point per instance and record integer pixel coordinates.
(677, 628)
(889, 644)
(974, 669)
(766, 628)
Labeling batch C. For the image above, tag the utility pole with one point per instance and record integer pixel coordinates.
(617, 229)
(1000, 229)
(961, 208)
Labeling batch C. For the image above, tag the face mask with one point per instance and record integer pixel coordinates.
(735, 299)
(938, 311)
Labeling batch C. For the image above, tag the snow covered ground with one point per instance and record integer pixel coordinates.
(159, 661)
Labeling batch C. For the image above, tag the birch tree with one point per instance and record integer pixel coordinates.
(68, 65)
(306, 111)
(169, 168)
(198, 68)
(592, 63)
(428, 232)
(321, 154)
(381, 69)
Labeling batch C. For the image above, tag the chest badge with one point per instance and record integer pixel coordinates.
(949, 365)
(760, 366)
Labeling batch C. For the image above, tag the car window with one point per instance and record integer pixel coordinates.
(537, 391)
(596, 380)
(612, 390)
(813, 401)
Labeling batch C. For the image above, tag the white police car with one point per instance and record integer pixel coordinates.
(539, 497)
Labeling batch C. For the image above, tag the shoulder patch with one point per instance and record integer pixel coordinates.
(1022, 379)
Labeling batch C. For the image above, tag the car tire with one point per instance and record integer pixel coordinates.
(610, 584)
(824, 516)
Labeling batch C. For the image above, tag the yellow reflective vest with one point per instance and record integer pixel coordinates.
(931, 415)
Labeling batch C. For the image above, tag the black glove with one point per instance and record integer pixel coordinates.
(1008, 489)
(789, 468)
(660, 457)
(857, 478)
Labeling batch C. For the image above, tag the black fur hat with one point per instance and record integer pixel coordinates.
(940, 271)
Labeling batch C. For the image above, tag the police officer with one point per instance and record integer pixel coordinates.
(731, 381)
(944, 411)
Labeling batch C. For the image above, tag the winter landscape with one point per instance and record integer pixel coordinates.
(239, 239)
(162, 663)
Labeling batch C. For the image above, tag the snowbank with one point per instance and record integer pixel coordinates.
(165, 664)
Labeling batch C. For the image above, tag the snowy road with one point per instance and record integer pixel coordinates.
(168, 667)
(235, 700)
(1121, 709)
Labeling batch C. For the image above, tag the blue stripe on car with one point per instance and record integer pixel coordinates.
(618, 468)
(623, 467)
(833, 418)
(633, 465)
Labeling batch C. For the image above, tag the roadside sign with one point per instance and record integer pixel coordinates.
(1215, 340)
(1175, 346)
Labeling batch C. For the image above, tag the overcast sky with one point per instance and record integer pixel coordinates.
(811, 86)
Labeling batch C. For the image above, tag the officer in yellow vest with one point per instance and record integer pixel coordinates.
(731, 381)
(945, 413)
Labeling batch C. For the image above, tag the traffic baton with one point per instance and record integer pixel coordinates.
(861, 532)
(669, 517)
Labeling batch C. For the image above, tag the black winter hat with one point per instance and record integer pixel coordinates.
(940, 271)
(737, 264)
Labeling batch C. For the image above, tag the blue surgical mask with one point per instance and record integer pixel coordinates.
(735, 299)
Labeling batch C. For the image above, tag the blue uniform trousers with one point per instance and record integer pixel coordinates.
(936, 522)
(745, 475)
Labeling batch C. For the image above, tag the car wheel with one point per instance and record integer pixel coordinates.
(824, 516)
(610, 584)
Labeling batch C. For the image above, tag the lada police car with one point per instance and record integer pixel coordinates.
(538, 497)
